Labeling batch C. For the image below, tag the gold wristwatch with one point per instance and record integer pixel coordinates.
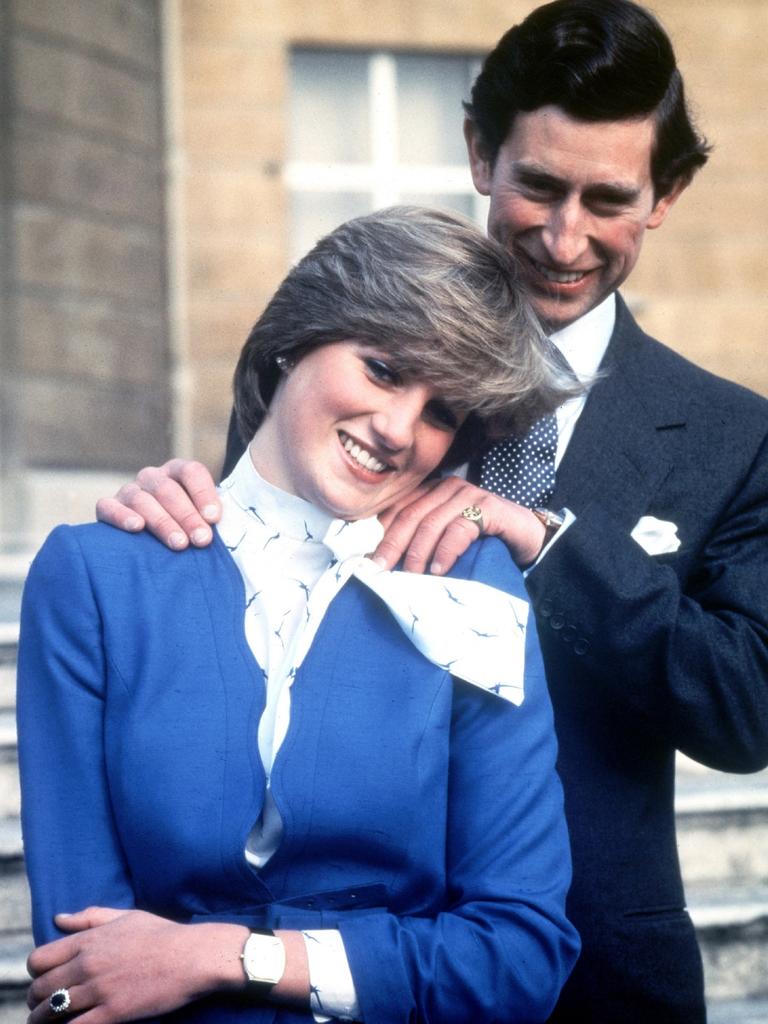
(263, 959)
(551, 521)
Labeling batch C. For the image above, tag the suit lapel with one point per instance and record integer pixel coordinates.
(617, 456)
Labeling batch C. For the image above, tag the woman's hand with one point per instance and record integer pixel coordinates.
(176, 502)
(123, 965)
(428, 528)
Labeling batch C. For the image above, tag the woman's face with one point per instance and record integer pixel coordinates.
(345, 431)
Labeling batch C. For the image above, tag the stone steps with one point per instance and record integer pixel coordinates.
(722, 828)
(15, 933)
(741, 1011)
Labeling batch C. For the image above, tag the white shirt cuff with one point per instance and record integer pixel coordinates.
(331, 988)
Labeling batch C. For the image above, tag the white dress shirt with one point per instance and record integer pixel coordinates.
(583, 343)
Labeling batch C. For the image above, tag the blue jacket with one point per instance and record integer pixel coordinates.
(422, 817)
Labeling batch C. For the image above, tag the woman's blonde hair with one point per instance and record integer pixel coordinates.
(444, 302)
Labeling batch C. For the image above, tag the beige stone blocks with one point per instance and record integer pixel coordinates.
(109, 427)
(64, 251)
(219, 326)
(210, 404)
(91, 339)
(86, 93)
(236, 135)
(88, 342)
(234, 200)
(722, 335)
(54, 166)
(235, 76)
(125, 30)
(433, 24)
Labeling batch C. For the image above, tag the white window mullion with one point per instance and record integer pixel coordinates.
(429, 178)
(309, 177)
(383, 120)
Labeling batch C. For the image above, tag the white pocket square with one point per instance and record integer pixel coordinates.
(656, 536)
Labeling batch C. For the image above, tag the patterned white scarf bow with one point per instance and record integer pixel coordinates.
(470, 629)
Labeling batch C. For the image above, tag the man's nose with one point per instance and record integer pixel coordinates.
(565, 234)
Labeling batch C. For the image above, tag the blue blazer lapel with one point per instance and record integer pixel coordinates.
(620, 454)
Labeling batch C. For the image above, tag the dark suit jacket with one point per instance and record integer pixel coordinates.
(645, 655)
(422, 817)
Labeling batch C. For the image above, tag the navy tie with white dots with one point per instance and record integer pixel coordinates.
(523, 468)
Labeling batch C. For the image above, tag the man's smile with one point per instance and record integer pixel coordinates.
(553, 276)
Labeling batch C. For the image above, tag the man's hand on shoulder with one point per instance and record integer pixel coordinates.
(428, 528)
(176, 502)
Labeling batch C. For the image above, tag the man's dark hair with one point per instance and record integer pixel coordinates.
(598, 60)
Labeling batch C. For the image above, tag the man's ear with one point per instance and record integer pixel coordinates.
(479, 164)
(663, 205)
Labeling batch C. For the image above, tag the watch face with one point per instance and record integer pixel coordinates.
(264, 958)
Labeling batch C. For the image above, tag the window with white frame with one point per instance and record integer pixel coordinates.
(371, 129)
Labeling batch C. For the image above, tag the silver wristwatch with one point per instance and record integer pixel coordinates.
(263, 959)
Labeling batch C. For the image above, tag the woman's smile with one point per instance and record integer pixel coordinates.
(346, 431)
(361, 456)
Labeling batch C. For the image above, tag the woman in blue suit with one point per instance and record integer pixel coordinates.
(282, 782)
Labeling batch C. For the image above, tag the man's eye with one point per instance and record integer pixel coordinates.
(539, 190)
(381, 371)
(442, 416)
(607, 205)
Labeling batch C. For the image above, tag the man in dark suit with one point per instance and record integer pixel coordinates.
(648, 579)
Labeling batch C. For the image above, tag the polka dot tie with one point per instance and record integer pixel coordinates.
(523, 468)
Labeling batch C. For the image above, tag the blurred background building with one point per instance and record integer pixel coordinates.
(162, 162)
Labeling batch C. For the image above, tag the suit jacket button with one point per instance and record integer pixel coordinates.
(545, 608)
(581, 646)
(557, 621)
(568, 635)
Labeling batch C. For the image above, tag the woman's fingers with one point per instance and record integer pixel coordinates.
(123, 965)
(63, 977)
(83, 1003)
(51, 955)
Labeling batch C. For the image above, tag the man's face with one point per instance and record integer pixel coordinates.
(571, 199)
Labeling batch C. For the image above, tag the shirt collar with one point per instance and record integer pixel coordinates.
(583, 343)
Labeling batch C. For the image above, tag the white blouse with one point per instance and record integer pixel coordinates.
(276, 541)
(294, 559)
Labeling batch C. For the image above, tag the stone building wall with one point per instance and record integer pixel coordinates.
(703, 277)
(84, 336)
